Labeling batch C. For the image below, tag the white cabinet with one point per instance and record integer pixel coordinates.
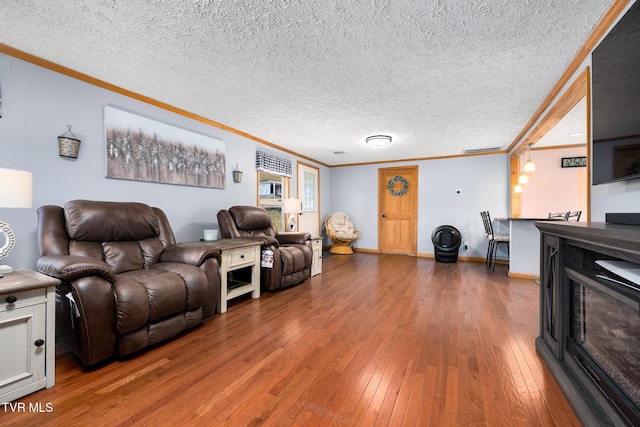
(27, 333)
(316, 261)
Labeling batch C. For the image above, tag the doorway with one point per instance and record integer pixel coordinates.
(309, 195)
(398, 210)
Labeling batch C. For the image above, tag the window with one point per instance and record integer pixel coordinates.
(271, 193)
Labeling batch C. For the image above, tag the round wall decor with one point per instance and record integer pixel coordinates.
(392, 184)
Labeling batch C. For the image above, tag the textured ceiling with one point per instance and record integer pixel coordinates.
(319, 76)
(570, 130)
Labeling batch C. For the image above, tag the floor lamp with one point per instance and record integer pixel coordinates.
(15, 192)
(292, 207)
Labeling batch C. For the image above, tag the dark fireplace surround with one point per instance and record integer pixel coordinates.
(590, 326)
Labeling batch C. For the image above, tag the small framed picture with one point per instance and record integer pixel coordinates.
(574, 162)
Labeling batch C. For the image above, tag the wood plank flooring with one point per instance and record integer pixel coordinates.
(375, 340)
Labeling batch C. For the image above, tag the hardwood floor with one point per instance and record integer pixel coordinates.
(373, 340)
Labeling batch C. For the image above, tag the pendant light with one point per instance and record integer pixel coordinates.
(523, 178)
(529, 166)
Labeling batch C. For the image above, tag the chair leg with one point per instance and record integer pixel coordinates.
(495, 252)
(487, 261)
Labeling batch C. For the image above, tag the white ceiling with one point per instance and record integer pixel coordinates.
(319, 76)
(570, 130)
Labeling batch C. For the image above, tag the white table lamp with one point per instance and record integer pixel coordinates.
(292, 207)
(15, 192)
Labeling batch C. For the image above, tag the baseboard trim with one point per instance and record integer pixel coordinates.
(366, 251)
(523, 276)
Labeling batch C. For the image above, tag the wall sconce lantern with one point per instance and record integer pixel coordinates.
(68, 144)
(237, 174)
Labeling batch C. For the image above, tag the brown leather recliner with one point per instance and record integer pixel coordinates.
(292, 252)
(126, 284)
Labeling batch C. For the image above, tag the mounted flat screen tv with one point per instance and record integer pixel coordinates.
(615, 96)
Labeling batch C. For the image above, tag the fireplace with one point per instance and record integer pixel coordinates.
(604, 341)
(590, 326)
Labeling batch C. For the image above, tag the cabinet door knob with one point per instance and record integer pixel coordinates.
(11, 299)
(39, 343)
(242, 256)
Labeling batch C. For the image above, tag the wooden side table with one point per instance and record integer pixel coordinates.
(238, 256)
(27, 333)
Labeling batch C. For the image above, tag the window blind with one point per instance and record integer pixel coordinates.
(273, 164)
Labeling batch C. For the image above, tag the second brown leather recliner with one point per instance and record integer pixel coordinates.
(292, 252)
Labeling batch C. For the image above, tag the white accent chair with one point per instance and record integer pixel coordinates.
(342, 232)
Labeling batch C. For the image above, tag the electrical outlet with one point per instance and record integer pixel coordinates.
(466, 246)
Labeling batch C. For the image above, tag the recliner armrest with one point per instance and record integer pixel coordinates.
(192, 253)
(71, 267)
(293, 238)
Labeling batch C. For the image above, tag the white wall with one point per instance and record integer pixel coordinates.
(482, 179)
(37, 106)
(552, 188)
(615, 197)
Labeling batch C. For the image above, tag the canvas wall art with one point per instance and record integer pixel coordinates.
(142, 149)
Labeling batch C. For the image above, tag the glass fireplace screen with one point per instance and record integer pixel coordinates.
(605, 324)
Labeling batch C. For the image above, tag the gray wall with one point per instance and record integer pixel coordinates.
(483, 181)
(37, 106)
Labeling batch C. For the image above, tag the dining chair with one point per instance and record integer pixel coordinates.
(487, 234)
(573, 216)
(558, 215)
(495, 240)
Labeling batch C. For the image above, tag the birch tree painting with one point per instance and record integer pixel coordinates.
(142, 149)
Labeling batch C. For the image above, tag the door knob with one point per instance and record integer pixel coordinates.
(39, 343)
(384, 216)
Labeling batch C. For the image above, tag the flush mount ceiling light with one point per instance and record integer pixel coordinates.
(378, 140)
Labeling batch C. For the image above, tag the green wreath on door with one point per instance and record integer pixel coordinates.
(392, 182)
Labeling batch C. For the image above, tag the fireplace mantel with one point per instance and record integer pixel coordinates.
(568, 251)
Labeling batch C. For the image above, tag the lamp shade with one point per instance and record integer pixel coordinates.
(292, 206)
(16, 188)
(529, 166)
(523, 178)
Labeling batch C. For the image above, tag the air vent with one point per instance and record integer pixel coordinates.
(481, 150)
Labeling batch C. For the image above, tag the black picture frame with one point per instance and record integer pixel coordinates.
(574, 162)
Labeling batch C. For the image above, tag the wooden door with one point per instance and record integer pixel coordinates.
(398, 210)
